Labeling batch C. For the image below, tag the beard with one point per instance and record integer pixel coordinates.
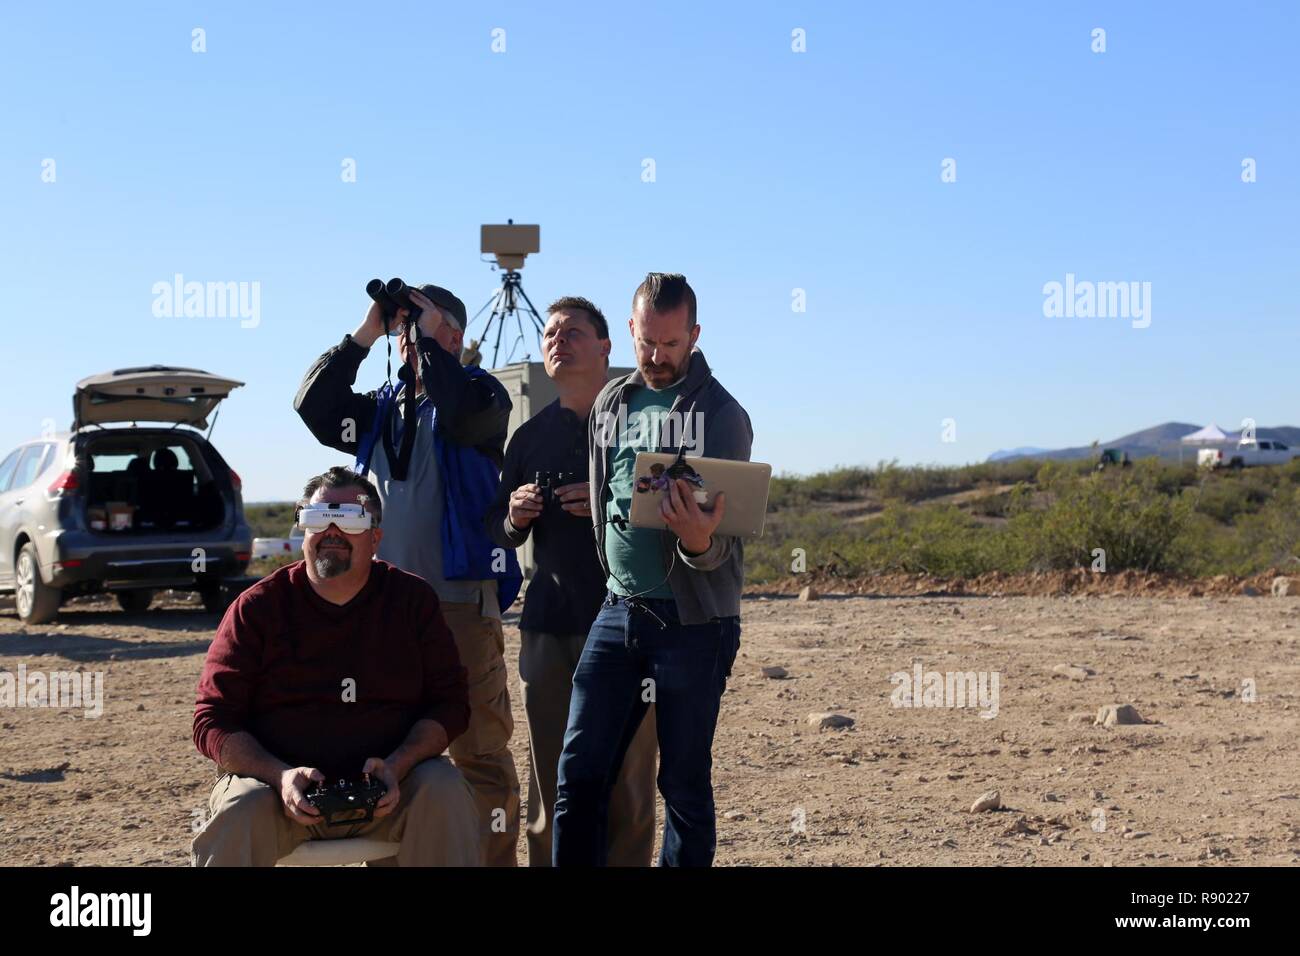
(333, 557)
(663, 375)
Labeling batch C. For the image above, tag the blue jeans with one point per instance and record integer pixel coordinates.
(635, 655)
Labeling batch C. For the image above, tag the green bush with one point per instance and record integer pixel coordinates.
(1121, 511)
(1267, 538)
(269, 520)
(1225, 496)
(937, 539)
(1152, 516)
(838, 484)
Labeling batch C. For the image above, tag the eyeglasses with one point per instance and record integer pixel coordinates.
(350, 519)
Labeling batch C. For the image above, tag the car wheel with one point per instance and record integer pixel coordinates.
(36, 601)
(215, 599)
(135, 602)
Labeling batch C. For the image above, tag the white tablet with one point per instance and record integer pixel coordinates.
(745, 483)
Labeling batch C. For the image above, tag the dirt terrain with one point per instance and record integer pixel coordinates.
(1211, 777)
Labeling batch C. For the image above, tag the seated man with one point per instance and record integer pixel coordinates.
(333, 667)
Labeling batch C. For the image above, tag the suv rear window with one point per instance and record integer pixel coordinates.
(115, 460)
(115, 465)
(143, 482)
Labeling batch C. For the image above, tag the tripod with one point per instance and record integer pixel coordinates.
(505, 304)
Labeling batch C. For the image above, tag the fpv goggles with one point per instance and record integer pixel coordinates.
(350, 519)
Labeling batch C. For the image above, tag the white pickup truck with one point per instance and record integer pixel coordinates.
(269, 547)
(1262, 452)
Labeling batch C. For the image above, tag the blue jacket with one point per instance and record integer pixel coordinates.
(470, 480)
(472, 411)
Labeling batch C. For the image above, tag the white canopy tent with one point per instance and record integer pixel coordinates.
(1211, 434)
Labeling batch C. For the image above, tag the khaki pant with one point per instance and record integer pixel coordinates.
(435, 821)
(546, 666)
(482, 753)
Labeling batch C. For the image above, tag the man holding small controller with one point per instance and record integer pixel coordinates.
(339, 666)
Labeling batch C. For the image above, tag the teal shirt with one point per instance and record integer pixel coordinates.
(635, 556)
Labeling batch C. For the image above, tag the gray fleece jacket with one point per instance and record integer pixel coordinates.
(705, 586)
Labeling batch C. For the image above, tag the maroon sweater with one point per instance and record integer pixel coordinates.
(277, 667)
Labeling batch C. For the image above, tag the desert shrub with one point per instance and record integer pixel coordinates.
(1288, 474)
(838, 484)
(1267, 538)
(1225, 496)
(1122, 512)
(269, 520)
(822, 536)
(919, 482)
(1151, 516)
(936, 539)
(1002, 472)
(1003, 503)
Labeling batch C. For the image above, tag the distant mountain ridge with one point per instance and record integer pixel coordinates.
(1161, 441)
(1024, 451)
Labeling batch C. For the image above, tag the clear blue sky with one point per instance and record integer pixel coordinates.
(775, 170)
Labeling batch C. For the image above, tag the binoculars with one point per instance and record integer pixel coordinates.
(391, 296)
(548, 481)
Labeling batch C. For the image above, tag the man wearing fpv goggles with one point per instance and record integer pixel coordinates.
(435, 448)
(337, 667)
(350, 519)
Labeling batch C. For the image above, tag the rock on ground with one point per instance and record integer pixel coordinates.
(1108, 715)
(1073, 671)
(829, 721)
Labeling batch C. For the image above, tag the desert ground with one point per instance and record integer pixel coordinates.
(1211, 777)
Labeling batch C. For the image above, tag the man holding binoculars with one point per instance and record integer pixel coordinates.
(435, 448)
(544, 495)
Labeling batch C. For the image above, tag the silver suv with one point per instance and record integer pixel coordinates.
(116, 507)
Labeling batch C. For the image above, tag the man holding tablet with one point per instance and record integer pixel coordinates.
(669, 628)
